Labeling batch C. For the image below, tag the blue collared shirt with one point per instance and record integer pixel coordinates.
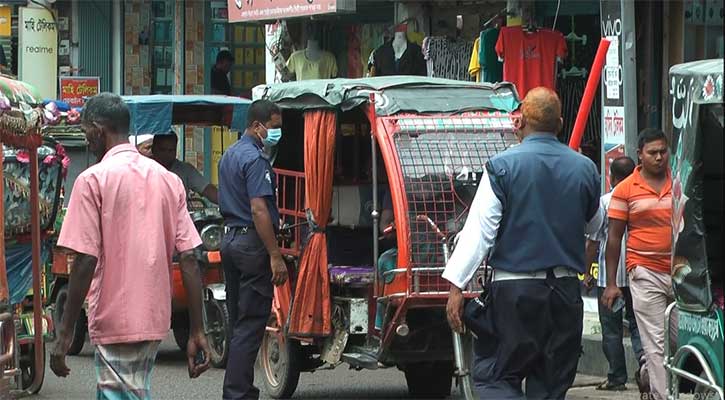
(246, 173)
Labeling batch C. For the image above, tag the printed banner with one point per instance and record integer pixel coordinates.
(256, 10)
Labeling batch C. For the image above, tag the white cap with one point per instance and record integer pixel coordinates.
(138, 139)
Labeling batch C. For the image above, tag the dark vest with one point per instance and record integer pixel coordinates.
(548, 193)
(410, 63)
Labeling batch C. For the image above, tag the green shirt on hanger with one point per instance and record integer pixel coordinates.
(491, 66)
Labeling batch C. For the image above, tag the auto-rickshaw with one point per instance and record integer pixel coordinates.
(354, 297)
(29, 197)
(694, 322)
(156, 115)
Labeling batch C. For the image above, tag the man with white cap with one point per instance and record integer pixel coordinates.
(143, 143)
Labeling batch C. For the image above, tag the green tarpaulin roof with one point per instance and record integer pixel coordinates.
(394, 94)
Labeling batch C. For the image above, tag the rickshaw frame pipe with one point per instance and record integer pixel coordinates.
(4, 290)
(589, 92)
(375, 213)
(9, 354)
(39, 361)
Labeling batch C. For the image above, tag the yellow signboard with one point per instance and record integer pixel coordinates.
(38, 50)
(6, 21)
(221, 139)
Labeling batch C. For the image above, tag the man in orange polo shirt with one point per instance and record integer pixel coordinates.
(642, 205)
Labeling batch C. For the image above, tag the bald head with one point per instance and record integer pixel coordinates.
(541, 112)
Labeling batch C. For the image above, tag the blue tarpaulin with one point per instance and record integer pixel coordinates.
(156, 114)
(19, 264)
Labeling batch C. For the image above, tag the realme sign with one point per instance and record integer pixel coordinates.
(38, 50)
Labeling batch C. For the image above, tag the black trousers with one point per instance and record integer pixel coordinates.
(249, 299)
(535, 333)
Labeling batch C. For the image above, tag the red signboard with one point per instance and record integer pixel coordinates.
(74, 89)
(270, 10)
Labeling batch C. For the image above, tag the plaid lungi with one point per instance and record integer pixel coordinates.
(123, 370)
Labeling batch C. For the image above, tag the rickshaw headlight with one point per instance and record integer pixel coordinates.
(211, 237)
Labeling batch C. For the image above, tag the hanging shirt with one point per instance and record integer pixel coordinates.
(474, 67)
(491, 66)
(529, 58)
(305, 69)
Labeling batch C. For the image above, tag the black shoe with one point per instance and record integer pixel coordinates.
(614, 387)
(642, 379)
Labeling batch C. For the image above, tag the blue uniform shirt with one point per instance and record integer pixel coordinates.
(246, 173)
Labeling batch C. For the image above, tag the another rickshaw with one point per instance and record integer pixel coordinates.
(156, 115)
(694, 328)
(416, 145)
(29, 197)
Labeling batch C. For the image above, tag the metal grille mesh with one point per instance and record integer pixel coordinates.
(442, 161)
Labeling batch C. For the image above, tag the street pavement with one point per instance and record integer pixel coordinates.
(170, 381)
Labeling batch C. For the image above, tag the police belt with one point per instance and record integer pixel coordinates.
(245, 229)
(559, 272)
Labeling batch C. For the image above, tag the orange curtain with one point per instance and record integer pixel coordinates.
(311, 305)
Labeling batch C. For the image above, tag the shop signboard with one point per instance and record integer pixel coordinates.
(75, 89)
(38, 50)
(5, 21)
(618, 119)
(255, 10)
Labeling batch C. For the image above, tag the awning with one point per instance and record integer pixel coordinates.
(156, 114)
(394, 94)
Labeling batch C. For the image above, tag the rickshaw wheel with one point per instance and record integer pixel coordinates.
(281, 360)
(79, 330)
(429, 380)
(27, 366)
(217, 331)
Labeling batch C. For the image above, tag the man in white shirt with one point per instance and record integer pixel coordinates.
(611, 321)
(535, 203)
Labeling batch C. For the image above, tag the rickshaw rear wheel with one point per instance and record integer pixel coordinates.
(217, 331)
(281, 360)
(429, 380)
(79, 331)
(27, 366)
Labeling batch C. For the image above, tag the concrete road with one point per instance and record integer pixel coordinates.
(170, 382)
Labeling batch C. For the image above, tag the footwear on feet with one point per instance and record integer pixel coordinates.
(616, 387)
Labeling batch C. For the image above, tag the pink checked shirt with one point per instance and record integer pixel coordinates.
(130, 213)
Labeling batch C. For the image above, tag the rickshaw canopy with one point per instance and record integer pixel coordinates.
(155, 114)
(696, 100)
(393, 94)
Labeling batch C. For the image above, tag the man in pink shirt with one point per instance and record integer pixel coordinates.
(126, 216)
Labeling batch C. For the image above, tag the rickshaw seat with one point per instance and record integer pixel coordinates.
(356, 276)
(352, 206)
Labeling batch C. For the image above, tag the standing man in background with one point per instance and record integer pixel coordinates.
(535, 203)
(252, 261)
(163, 150)
(220, 73)
(611, 321)
(641, 205)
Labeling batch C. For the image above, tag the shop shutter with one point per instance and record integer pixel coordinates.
(94, 23)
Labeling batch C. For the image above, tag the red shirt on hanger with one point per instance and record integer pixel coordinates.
(529, 58)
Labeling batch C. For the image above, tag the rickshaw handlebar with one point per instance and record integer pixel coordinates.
(425, 218)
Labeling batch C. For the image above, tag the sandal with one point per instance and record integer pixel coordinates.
(606, 385)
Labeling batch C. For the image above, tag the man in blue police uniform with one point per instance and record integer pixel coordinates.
(532, 209)
(251, 258)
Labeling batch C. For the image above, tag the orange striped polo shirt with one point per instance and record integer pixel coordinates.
(648, 215)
